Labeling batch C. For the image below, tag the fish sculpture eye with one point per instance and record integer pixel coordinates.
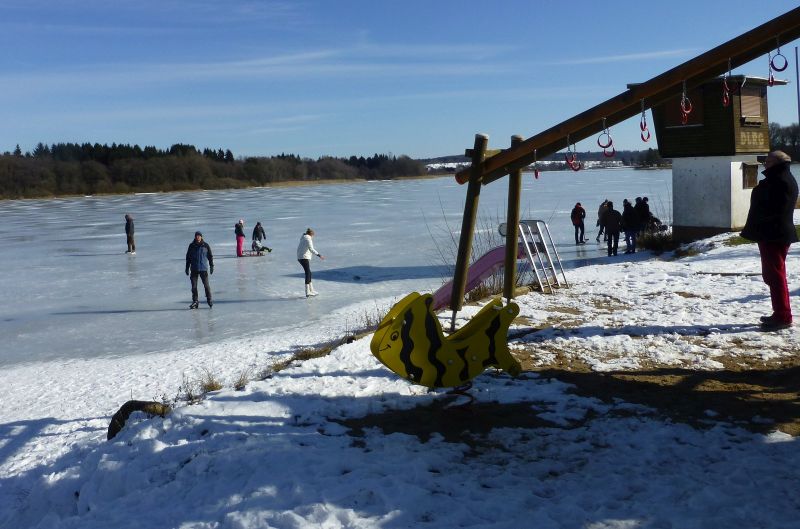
(394, 336)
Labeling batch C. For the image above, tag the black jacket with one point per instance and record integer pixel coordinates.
(128, 225)
(258, 233)
(199, 257)
(239, 229)
(772, 205)
(630, 220)
(612, 221)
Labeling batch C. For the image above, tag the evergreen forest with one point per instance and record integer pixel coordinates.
(63, 169)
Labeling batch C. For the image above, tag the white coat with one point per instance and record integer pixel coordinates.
(306, 248)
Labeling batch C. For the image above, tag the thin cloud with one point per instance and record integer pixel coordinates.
(630, 57)
(332, 63)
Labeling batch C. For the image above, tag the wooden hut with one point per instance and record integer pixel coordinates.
(713, 150)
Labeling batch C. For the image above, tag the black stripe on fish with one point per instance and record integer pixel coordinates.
(462, 354)
(490, 332)
(433, 332)
(413, 372)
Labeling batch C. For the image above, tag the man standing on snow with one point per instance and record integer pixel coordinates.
(613, 222)
(200, 262)
(577, 215)
(770, 223)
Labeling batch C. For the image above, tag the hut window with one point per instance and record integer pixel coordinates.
(749, 175)
(751, 101)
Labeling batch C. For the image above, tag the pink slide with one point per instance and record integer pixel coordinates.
(480, 270)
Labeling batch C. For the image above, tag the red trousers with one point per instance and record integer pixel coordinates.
(239, 245)
(773, 270)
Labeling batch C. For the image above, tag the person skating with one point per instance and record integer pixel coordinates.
(129, 234)
(199, 263)
(612, 220)
(770, 223)
(258, 235)
(238, 229)
(577, 215)
(305, 249)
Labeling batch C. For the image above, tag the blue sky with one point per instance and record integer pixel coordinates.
(317, 77)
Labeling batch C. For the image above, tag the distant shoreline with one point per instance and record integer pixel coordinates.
(286, 183)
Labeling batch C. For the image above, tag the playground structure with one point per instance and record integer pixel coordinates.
(413, 349)
(484, 170)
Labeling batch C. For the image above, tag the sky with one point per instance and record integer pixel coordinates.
(549, 449)
(350, 77)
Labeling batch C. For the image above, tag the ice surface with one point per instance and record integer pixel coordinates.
(70, 291)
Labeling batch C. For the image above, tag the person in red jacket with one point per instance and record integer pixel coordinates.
(577, 215)
(770, 223)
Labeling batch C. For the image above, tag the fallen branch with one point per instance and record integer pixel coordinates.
(119, 418)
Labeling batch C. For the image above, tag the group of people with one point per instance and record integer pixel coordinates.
(633, 220)
(256, 245)
(200, 258)
(770, 223)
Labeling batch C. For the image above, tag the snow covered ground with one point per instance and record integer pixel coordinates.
(340, 441)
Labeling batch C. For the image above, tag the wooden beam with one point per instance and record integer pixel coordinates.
(512, 230)
(740, 50)
(467, 229)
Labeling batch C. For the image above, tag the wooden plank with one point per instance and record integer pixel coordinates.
(467, 229)
(512, 235)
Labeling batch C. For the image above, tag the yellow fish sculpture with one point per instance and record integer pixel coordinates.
(410, 342)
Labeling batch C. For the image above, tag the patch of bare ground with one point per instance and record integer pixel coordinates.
(758, 400)
(606, 303)
(757, 394)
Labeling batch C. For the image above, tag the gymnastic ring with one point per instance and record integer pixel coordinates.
(772, 62)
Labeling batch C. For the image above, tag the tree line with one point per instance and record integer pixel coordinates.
(786, 139)
(87, 169)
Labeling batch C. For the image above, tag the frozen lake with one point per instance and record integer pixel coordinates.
(70, 291)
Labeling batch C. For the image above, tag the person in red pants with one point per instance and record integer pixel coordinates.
(238, 229)
(770, 223)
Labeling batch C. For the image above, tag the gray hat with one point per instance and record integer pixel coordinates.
(780, 156)
(198, 233)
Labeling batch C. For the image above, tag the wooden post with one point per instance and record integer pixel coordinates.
(467, 227)
(512, 226)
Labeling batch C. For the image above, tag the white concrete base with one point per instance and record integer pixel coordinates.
(708, 192)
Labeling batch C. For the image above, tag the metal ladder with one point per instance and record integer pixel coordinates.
(538, 242)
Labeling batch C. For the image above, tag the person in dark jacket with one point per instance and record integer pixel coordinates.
(601, 211)
(129, 234)
(770, 223)
(238, 229)
(639, 209)
(612, 222)
(258, 235)
(629, 225)
(200, 263)
(577, 215)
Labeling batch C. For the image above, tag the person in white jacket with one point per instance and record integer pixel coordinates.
(304, 252)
